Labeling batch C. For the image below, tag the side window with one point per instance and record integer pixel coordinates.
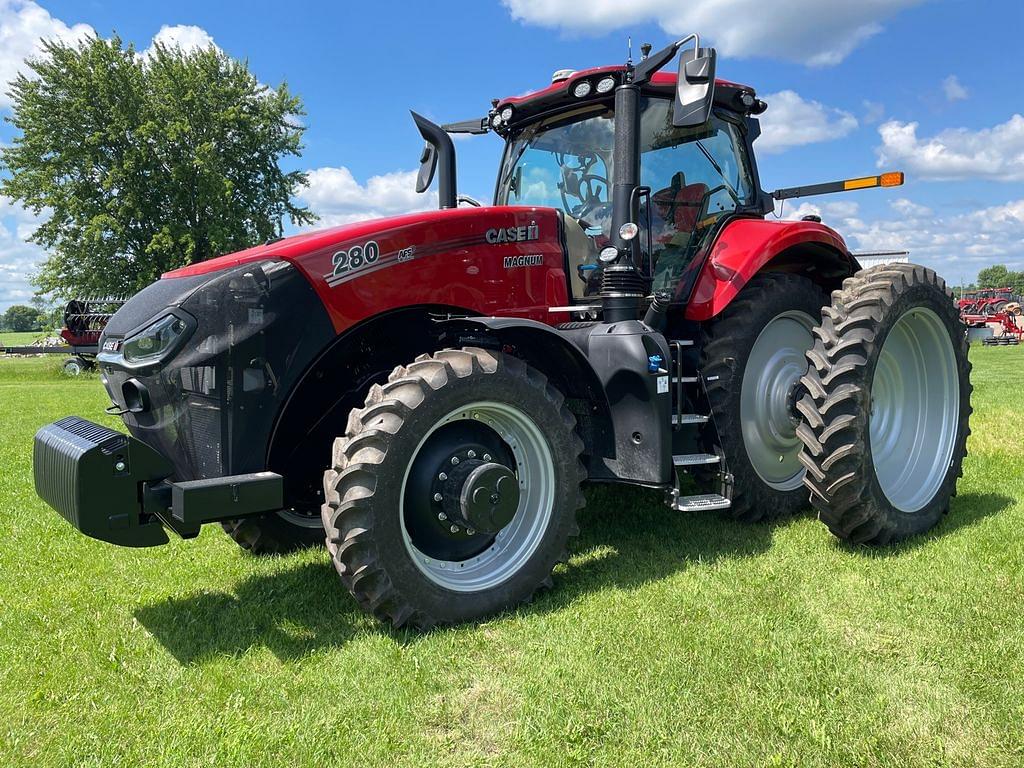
(696, 176)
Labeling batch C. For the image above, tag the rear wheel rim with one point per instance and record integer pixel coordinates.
(773, 370)
(513, 546)
(915, 402)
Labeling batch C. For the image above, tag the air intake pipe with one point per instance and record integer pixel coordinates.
(439, 150)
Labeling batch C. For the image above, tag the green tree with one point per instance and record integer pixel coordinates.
(21, 318)
(996, 276)
(145, 164)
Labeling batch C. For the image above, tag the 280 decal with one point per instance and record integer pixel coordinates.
(355, 257)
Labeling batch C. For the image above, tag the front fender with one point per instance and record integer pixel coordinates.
(746, 246)
(552, 353)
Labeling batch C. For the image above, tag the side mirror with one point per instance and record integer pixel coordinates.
(428, 165)
(695, 87)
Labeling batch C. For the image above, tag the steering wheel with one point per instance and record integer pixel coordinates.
(578, 182)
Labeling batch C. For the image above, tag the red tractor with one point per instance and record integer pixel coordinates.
(624, 312)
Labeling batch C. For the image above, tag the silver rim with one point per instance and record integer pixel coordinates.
(774, 368)
(72, 368)
(915, 400)
(516, 542)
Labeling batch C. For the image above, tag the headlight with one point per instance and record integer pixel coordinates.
(154, 340)
(581, 89)
(605, 84)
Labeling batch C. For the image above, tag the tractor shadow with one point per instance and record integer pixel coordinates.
(627, 538)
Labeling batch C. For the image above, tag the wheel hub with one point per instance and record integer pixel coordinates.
(481, 496)
(771, 386)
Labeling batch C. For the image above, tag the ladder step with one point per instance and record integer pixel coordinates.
(704, 503)
(682, 342)
(690, 418)
(695, 459)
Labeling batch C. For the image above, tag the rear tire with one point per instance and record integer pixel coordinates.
(885, 417)
(752, 357)
(389, 524)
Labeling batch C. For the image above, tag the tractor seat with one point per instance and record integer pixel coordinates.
(679, 206)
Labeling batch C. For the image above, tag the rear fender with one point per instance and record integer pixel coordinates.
(748, 246)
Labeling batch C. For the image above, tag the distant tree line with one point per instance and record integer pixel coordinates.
(998, 276)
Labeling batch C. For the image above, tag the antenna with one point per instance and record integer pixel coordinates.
(629, 50)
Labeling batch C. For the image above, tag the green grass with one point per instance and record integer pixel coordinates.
(22, 338)
(668, 639)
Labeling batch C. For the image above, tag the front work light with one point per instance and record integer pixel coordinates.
(628, 231)
(605, 84)
(506, 114)
(582, 89)
(154, 340)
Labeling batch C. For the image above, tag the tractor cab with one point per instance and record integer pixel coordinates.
(694, 178)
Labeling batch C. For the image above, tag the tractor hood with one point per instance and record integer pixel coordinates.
(290, 248)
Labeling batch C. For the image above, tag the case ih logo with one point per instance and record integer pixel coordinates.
(512, 234)
(532, 260)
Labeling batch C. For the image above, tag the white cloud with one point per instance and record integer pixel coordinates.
(953, 89)
(23, 26)
(792, 121)
(994, 153)
(338, 198)
(955, 245)
(184, 36)
(18, 259)
(809, 31)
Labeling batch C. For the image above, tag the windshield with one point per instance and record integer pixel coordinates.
(696, 176)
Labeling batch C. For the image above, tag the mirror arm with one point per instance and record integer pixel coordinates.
(646, 68)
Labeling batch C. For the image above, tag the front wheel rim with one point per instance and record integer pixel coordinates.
(513, 546)
(915, 402)
(773, 370)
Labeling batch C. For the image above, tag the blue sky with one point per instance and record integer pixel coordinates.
(928, 87)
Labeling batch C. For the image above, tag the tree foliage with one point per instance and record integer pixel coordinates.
(147, 163)
(998, 276)
(21, 318)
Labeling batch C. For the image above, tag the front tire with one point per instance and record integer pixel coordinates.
(453, 429)
(885, 416)
(751, 361)
(275, 533)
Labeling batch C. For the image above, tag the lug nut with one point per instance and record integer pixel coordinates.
(443, 476)
(438, 497)
(455, 460)
(454, 529)
(487, 457)
(471, 453)
(470, 532)
(120, 466)
(442, 516)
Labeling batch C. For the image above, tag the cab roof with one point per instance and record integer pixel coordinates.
(560, 94)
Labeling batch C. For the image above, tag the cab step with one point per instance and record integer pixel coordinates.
(704, 503)
(695, 459)
(690, 418)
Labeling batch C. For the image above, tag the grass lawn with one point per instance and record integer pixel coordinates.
(668, 639)
(22, 338)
